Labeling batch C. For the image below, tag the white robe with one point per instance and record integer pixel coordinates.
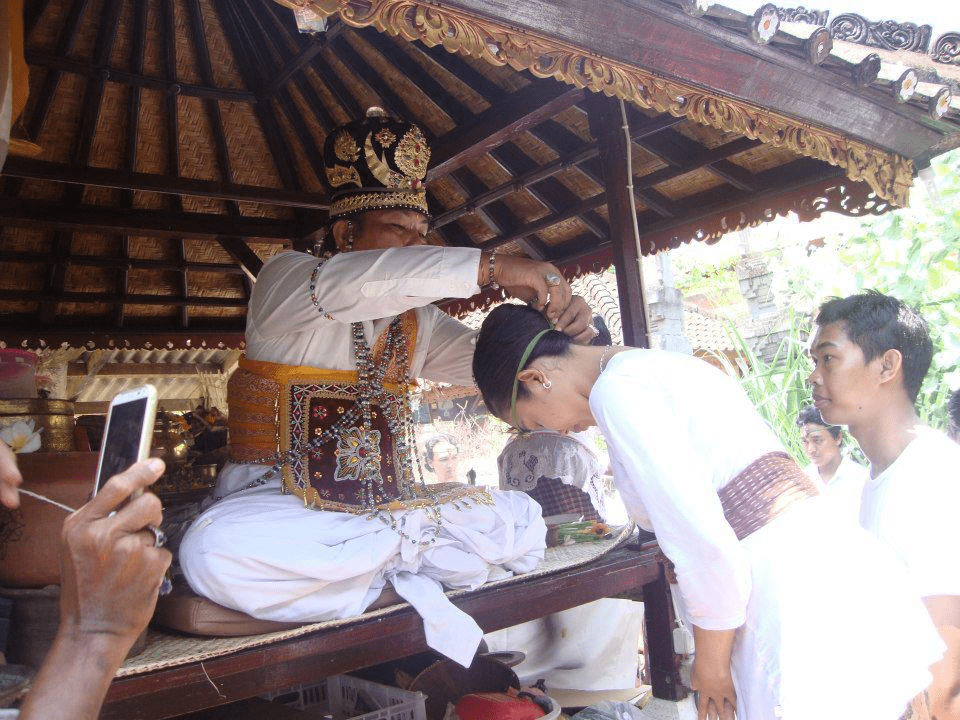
(829, 627)
(263, 553)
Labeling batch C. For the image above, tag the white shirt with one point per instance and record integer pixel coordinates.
(284, 326)
(846, 486)
(372, 286)
(678, 429)
(913, 507)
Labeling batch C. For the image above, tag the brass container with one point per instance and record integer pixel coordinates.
(55, 417)
(171, 441)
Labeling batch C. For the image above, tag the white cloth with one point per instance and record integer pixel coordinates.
(846, 486)
(913, 505)
(677, 430)
(589, 647)
(263, 553)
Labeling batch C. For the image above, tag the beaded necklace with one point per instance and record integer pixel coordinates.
(398, 414)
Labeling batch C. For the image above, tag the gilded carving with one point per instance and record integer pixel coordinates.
(888, 174)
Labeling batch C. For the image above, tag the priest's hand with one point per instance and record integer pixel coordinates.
(576, 320)
(537, 283)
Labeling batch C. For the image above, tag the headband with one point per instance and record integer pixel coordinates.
(516, 378)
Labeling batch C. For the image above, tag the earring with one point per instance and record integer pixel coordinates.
(547, 384)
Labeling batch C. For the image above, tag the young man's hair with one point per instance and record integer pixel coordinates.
(811, 416)
(878, 323)
(953, 415)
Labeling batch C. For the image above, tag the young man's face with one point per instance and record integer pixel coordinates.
(843, 385)
(819, 444)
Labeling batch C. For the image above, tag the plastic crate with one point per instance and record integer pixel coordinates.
(344, 697)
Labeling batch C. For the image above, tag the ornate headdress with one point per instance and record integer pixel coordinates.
(377, 163)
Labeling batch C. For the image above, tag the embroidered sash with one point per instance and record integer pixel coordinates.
(762, 491)
(275, 408)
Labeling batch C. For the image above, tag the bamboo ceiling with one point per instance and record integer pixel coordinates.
(178, 147)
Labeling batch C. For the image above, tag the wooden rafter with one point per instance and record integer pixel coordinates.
(576, 158)
(123, 263)
(127, 299)
(50, 215)
(165, 184)
(491, 128)
(135, 78)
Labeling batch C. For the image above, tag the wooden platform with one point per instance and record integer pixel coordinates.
(171, 692)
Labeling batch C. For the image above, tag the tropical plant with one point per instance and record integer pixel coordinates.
(776, 387)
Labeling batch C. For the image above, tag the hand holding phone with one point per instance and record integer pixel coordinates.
(128, 432)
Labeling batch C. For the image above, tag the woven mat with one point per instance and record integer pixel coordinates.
(165, 650)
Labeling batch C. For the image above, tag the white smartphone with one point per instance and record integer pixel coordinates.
(128, 432)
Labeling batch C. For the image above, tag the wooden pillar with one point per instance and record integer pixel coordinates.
(662, 660)
(606, 126)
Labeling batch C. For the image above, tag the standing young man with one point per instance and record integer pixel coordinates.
(870, 354)
(842, 476)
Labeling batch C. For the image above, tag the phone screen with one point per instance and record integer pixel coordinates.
(121, 445)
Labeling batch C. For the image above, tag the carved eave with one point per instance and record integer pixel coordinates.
(888, 174)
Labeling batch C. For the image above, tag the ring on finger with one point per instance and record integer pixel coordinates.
(553, 279)
(159, 536)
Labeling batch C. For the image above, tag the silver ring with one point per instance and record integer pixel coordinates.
(553, 279)
(159, 536)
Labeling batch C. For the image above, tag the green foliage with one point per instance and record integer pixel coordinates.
(777, 387)
(912, 254)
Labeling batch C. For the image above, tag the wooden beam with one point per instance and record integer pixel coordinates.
(246, 258)
(112, 298)
(28, 168)
(606, 126)
(68, 31)
(542, 224)
(121, 263)
(136, 79)
(494, 126)
(566, 160)
(121, 369)
(38, 214)
(393, 101)
(296, 64)
(437, 92)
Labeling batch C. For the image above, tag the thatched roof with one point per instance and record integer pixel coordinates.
(178, 141)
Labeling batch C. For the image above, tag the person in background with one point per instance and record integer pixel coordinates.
(829, 464)
(768, 575)
(870, 353)
(111, 568)
(440, 458)
(953, 415)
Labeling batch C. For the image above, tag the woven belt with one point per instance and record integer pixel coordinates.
(762, 491)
